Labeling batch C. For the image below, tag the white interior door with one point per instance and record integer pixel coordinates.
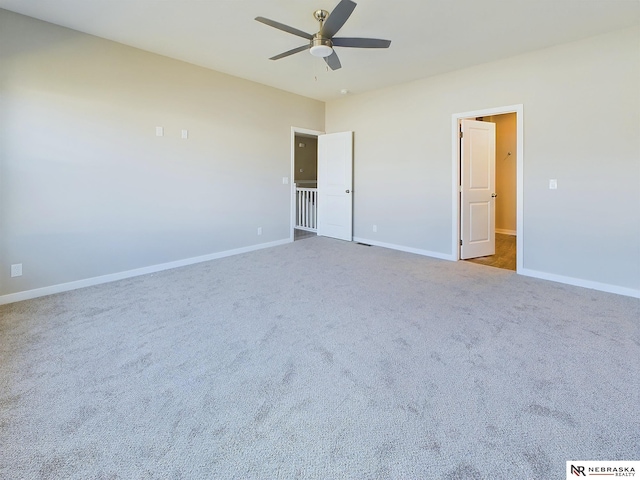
(335, 185)
(478, 178)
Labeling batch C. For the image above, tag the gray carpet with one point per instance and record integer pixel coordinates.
(319, 359)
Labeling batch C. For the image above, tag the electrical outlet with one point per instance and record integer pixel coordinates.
(259, 230)
(375, 228)
(185, 134)
(16, 270)
(553, 184)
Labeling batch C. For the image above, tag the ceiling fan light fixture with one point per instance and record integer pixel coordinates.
(321, 46)
(321, 50)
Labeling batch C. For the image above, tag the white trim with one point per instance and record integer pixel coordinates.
(402, 248)
(292, 214)
(578, 282)
(604, 287)
(88, 282)
(506, 232)
(518, 109)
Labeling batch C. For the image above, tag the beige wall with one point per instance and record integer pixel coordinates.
(306, 159)
(86, 187)
(581, 121)
(506, 158)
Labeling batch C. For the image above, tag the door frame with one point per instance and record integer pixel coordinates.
(518, 109)
(292, 175)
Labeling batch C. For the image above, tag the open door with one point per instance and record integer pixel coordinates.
(335, 185)
(477, 177)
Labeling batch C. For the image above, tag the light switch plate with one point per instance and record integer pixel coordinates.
(159, 131)
(553, 184)
(285, 180)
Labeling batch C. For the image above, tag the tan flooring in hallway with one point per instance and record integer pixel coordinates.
(505, 256)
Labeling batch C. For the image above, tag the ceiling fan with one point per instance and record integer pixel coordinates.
(321, 44)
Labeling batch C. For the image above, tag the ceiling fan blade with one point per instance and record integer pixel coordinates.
(291, 52)
(333, 61)
(337, 18)
(360, 42)
(284, 28)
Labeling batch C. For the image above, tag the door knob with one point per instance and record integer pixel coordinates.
(346, 191)
(494, 195)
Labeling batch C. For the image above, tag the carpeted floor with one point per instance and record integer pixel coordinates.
(319, 359)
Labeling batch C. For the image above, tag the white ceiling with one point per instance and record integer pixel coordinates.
(428, 36)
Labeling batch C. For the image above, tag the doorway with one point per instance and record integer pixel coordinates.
(305, 180)
(508, 188)
(327, 209)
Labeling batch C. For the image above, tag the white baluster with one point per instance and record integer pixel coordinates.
(299, 208)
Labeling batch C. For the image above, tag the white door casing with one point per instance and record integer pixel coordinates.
(335, 185)
(478, 169)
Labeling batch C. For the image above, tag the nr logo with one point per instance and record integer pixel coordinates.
(578, 471)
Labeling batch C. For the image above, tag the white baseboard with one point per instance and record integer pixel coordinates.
(603, 287)
(88, 282)
(578, 282)
(506, 232)
(402, 248)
